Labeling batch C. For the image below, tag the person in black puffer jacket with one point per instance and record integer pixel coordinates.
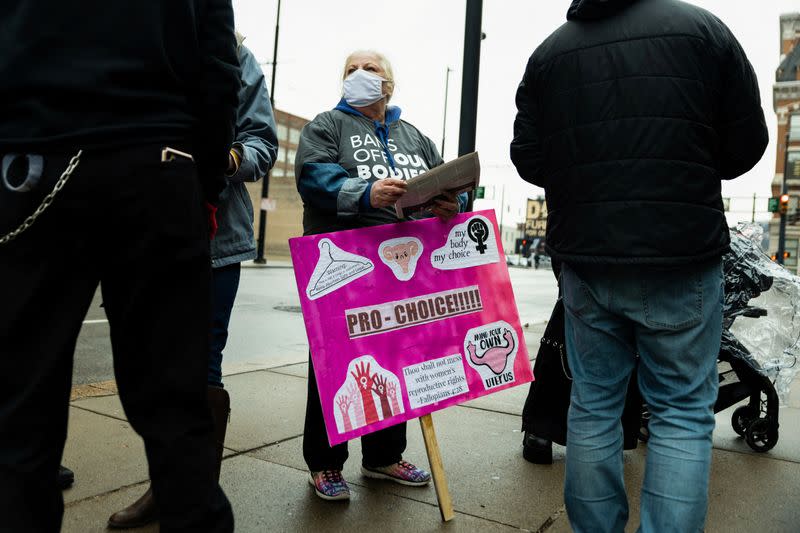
(629, 116)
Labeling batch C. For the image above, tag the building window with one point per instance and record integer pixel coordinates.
(294, 136)
(794, 130)
(291, 156)
(283, 132)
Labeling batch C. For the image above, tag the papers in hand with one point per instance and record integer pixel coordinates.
(457, 176)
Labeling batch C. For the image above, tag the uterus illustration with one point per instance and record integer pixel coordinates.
(401, 256)
(495, 357)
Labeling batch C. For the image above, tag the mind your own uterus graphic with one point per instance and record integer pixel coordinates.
(491, 350)
(369, 394)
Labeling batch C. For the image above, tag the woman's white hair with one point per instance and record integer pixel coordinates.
(384, 63)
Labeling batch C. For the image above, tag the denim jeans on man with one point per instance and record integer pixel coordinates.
(671, 318)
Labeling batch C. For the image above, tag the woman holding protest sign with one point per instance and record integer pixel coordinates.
(351, 167)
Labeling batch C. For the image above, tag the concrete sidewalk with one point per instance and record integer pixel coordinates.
(493, 488)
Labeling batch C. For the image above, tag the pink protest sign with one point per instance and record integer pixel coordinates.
(406, 319)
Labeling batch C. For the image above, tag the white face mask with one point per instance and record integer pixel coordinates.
(362, 88)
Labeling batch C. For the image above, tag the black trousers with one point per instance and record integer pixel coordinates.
(136, 225)
(381, 448)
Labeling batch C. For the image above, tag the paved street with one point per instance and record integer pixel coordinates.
(493, 488)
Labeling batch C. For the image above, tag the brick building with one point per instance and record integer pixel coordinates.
(286, 220)
(786, 103)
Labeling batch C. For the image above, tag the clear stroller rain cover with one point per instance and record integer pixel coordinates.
(769, 343)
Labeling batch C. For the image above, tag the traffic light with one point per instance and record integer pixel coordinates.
(526, 247)
(523, 246)
(784, 202)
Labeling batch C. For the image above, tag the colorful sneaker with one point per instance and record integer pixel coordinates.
(402, 472)
(329, 485)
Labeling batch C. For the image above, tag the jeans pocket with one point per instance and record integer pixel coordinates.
(673, 299)
(577, 298)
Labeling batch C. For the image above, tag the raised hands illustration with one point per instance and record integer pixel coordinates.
(343, 403)
(382, 391)
(392, 388)
(364, 379)
(355, 397)
(365, 382)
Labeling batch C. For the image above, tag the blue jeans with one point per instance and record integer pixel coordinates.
(224, 285)
(671, 318)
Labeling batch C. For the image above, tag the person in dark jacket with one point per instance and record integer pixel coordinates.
(629, 115)
(116, 128)
(250, 158)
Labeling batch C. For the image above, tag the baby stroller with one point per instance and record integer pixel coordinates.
(749, 273)
(741, 376)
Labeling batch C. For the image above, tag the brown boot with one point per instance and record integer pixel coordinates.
(220, 404)
(140, 513)
(144, 511)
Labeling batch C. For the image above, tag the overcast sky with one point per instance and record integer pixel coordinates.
(423, 37)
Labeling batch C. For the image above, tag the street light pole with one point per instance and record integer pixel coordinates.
(444, 120)
(275, 56)
(502, 207)
(262, 212)
(784, 190)
(469, 81)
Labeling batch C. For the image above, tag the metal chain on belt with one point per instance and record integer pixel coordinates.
(561, 354)
(73, 164)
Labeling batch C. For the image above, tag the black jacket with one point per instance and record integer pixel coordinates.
(103, 74)
(629, 116)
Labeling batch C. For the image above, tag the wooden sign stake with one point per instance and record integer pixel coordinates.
(437, 468)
